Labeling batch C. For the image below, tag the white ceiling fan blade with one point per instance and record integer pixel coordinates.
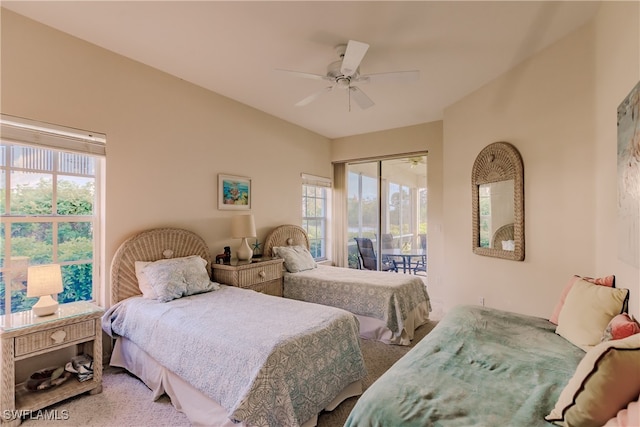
(302, 74)
(361, 98)
(313, 97)
(352, 57)
(392, 77)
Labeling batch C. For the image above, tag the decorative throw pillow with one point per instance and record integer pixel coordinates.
(628, 417)
(605, 381)
(621, 326)
(296, 258)
(587, 311)
(177, 277)
(608, 281)
(167, 281)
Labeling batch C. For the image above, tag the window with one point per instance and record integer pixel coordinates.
(49, 201)
(315, 208)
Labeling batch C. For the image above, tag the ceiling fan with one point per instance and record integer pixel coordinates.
(346, 71)
(415, 161)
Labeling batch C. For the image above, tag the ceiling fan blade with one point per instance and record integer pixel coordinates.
(361, 98)
(313, 96)
(393, 77)
(304, 75)
(352, 57)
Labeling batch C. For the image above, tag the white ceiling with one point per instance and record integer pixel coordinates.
(234, 47)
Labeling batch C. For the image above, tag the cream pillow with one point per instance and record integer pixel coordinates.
(605, 381)
(296, 258)
(143, 282)
(587, 311)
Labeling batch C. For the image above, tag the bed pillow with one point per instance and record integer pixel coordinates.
(587, 311)
(605, 381)
(628, 417)
(143, 282)
(177, 277)
(608, 281)
(296, 258)
(621, 326)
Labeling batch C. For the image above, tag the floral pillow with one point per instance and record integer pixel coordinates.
(621, 326)
(296, 258)
(178, 277)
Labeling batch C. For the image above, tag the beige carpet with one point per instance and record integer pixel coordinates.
(126, 401)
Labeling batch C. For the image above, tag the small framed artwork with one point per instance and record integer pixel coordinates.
(234, 192)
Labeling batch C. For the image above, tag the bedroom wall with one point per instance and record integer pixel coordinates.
(559, 110)
(166, 139)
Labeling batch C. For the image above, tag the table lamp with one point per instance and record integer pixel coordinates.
(243, 226)
(42, 281)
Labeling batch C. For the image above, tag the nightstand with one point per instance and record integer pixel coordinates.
(24, 335)
(263, 275)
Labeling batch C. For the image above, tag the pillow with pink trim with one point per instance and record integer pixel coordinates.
(620, 327)
(609, 281)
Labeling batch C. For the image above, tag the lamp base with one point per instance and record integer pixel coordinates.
(45, 306)
(244, 251)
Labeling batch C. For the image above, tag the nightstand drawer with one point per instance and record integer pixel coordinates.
(258, 274)
(54, 337)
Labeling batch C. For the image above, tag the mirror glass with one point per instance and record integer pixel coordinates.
(496, 215)
(498, 202)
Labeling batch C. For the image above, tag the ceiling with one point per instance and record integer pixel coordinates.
(234, 48)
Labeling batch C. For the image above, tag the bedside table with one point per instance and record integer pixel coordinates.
(24, 335)
(263, 276)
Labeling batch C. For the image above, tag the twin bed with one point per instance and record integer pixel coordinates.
(228, 356)
(389, 306)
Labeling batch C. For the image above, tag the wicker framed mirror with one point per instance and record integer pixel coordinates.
(497, 182)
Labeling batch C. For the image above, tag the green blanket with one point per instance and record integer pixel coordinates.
(478, 367)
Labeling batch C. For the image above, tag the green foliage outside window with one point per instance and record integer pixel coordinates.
(35, 240)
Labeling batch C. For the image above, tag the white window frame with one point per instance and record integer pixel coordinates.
(30, 133)
(324, 184)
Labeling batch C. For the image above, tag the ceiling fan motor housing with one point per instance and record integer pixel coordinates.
(335, 74)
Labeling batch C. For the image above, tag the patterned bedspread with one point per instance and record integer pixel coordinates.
(385, 296)
(268, 361)
(478, 367)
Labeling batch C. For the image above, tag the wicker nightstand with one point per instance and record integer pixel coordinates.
(262, 276)
(24, 335)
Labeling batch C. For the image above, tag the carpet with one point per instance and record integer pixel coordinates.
(126, 401)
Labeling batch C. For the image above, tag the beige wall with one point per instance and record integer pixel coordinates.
(166, 139)
(559, 110)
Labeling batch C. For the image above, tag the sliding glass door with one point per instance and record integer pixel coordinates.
(387, 205)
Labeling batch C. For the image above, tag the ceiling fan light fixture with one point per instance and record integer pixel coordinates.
(343, 82)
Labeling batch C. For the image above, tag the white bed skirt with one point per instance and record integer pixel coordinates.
(199, 408)
(375, 329)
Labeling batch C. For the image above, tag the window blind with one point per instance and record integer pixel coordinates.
(318, 181)
(17, 129)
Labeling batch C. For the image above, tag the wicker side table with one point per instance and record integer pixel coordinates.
(24, 335)
(262, 276)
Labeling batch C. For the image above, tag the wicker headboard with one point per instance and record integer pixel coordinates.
(503, 233)
(285, 235)
(151, 245)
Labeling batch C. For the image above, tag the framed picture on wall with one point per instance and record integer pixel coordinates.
(629, 178)
(234, 192)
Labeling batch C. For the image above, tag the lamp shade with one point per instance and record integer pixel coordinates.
(243, 226)
(44, 280)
